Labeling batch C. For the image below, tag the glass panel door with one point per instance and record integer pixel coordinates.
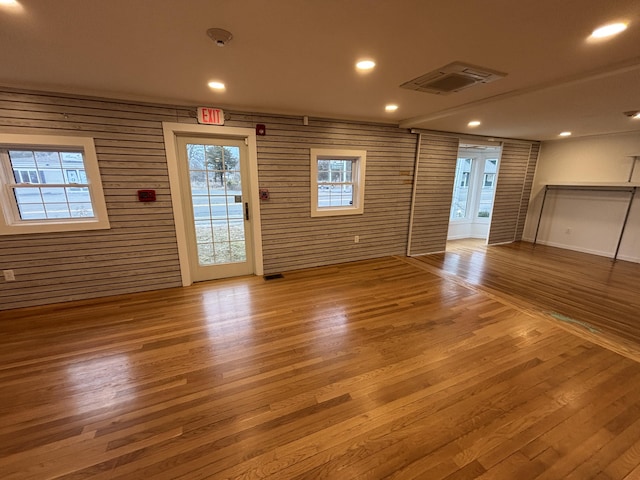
(220, 238)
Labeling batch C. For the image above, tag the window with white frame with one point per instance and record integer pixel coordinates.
(337, 181)
(489, 178)
(460, 203)
(49, 184)
(474, 187)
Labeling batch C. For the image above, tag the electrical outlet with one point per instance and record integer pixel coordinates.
(9, 276)
(356, 239)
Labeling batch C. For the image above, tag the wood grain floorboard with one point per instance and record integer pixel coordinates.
(389, 368)
(589, 295)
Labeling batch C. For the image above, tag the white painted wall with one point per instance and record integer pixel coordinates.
(468, 229)
(587, 221)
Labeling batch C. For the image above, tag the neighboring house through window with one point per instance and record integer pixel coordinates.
(474, 187)
(50, 184)
(337, 181)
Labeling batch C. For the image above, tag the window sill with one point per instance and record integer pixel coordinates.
(334, 212)
(52, 227)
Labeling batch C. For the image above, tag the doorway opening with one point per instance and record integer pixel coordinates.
(473, 192)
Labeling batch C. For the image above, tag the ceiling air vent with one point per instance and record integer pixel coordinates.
(452, 78)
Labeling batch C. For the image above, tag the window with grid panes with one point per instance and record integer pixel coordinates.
(337, 182)
(50, 184)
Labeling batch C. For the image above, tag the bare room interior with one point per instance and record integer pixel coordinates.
(319, 240)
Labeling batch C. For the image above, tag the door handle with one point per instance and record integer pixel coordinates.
(246, 211)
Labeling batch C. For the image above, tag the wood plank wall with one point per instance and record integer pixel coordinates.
(510, 192)
(434, 187)
(526, 192)
(139, 252)
(292, 239)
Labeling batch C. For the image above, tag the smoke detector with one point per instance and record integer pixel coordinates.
(220, 36)
(452, 78)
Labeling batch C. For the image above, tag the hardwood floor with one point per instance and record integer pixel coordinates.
(591, 295)
(379, 369)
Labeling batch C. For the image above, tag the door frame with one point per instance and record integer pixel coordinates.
(170, 131)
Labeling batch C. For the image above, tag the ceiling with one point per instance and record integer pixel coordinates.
(297, 57)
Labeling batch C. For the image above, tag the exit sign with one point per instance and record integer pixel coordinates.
(210, 116)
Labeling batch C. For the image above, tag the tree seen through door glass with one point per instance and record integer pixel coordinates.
(216, 194)
(335, 183)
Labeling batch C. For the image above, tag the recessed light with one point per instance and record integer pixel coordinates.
(635, 114)
(565, 134)
(11, 4)
(216, 85)
(391, 108)
(609, 30)
(365, 65)
(473, 123)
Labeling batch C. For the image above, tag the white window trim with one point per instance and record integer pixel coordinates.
(10, 221)
(357, 175)
(475, 185)
(472, 179)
